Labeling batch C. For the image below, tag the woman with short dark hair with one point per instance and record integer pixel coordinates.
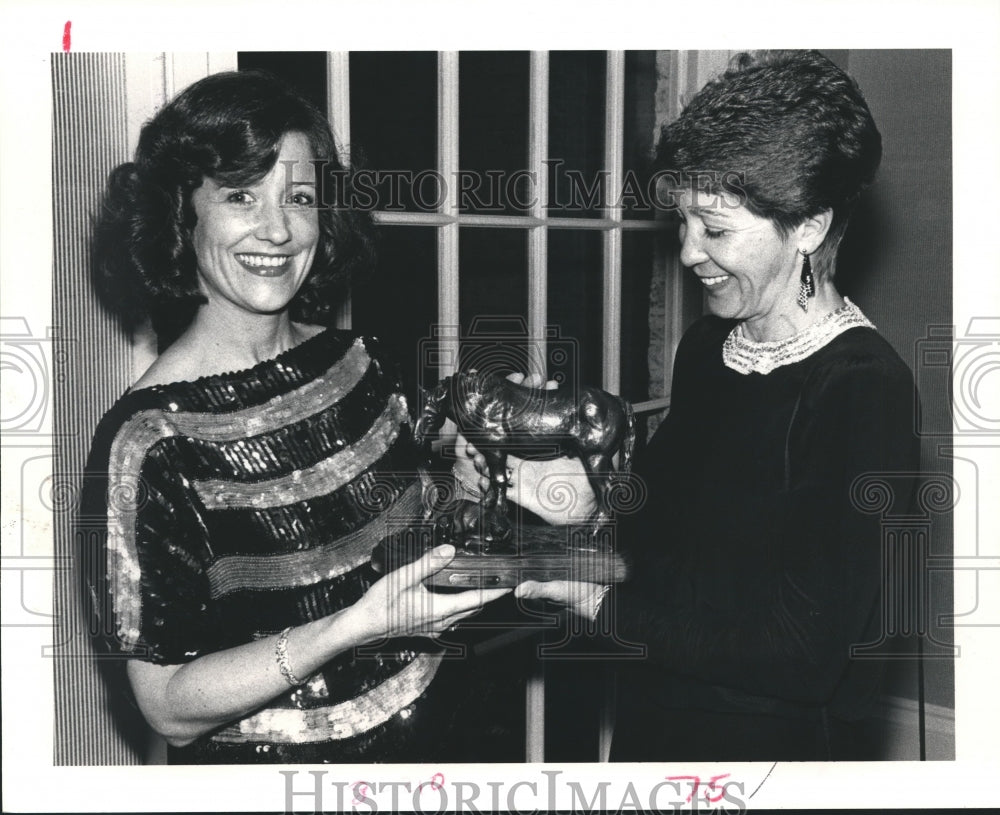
(247, 476)
(756, 564)
(792, 133)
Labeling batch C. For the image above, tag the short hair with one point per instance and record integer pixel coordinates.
(793, 128)
(227, 127)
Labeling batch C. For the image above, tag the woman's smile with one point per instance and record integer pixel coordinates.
(264, 265)
(713, 282)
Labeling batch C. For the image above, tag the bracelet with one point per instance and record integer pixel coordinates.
(600, 601)
(281, 654)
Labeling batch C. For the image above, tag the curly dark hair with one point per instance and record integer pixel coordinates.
(227, 127)
(793, 128)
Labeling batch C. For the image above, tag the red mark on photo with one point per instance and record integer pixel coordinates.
(360, 789)
(708, 786)
(436, 783)
(66, 35)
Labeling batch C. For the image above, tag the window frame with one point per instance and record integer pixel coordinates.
(448, 220)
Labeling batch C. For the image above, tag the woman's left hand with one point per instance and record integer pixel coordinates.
(557, 490)
(581, 599)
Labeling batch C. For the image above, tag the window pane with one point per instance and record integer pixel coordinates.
(576, 132)
(394, 125)
(306, 70)
(637, 266)
(398, 302)
(576, 294)
(574, 692)
(493, 132)
(493, 298)
(639, 133)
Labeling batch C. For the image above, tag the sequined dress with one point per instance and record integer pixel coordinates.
(222, 510)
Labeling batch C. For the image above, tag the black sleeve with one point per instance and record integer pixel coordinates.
(790, 633)
(142, 549)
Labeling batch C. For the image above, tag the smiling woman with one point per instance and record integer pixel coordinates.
(757, 568)
(242, 483)
(218, 146)
(254, 247)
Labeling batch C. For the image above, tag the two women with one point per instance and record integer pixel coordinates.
(253, 468)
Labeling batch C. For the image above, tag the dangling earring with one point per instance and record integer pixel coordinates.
(807, 286)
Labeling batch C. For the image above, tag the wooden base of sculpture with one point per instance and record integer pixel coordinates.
(533, 552)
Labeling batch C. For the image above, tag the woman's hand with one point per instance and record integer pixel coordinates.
(398, 605)
(581, 599)
(557, 490)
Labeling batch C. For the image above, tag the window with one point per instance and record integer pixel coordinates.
(515, 226)
(516, 234)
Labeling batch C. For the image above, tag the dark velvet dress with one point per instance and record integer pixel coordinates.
(221, 511)
(757, 563)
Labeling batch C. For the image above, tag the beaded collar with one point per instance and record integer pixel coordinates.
(746, 356)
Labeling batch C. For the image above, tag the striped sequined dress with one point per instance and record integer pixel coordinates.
(220, 511)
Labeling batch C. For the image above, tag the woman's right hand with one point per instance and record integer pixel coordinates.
(183, 702)
(399, 605)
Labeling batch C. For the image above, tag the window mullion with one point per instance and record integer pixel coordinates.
(614, 125)
(448, 302)
(538, 148)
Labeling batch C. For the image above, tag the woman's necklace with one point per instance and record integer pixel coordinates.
(745, 356)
